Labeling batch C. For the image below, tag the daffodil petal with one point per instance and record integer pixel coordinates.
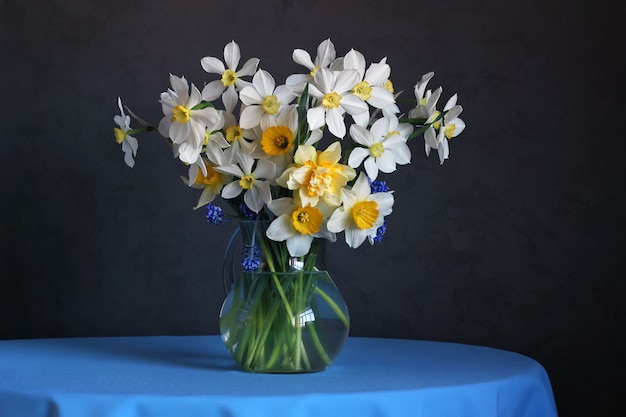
(299, 245)
(212, 65)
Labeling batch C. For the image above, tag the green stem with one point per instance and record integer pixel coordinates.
(333, 306)
(318, 344)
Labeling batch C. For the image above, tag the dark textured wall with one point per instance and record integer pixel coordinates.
(515, 242)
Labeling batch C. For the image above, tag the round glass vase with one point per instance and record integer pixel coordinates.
(285, 316)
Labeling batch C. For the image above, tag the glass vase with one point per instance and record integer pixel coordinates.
(281, 314)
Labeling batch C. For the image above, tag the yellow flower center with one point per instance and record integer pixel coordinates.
(388, 85)
(307, 220)
(437, 124)
(180, 114)
(377, 150)
(365, 213)
(320, 182)
(392, 133)
(331, 100)
(277, 140)
(211, 177)
(229, 77)
(271, 104)
(362, 90)
(246, 182)
(314, 70)
(233, 133)
(120, 135)
(449, 130)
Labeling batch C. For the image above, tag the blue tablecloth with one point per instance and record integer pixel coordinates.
(187, 376)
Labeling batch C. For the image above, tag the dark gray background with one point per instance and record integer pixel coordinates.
(515, 242)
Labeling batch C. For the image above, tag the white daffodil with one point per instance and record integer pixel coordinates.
(298, 225)
(326, 54)
(236, 137)
(333, 89)
(231, 80)
(426, 99)
(361, 213)
(204, 176)
(317, 175)
(444, 129)
(263, 100)
(129, 143)
(183, 124)
(384, 146)
(371, 88)
(253, 183)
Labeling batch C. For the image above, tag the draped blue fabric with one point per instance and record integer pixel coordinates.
(165, 376)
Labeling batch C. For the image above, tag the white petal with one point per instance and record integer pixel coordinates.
(386, 163)
(361, 187)
(381, 98)
(249, 67)
(264, 83)
(346, 80)
(325, 53)
(339, 220)
(361, 135)
(357, 156)
(334, 120)
(385, 202)
(230, 98)
(460, 127)
(231, 190)
(212, 65)
(299, 244)
(452, 114)
(355, 237)
(450, 103)
(356, 61)
(353, 105)
(256, 198)
(212, 90)
(230, 169)
(232, 54)
(444, 151)
(371, 168)
(316, 136)
(401, 152)
(249, 96)
(302, 57)
(280, 229)
(264, 169)
(251, 117)
(362, 119)
(377, 73)
(325, 80)
(281, 206)
(284, 95)
(315, 117)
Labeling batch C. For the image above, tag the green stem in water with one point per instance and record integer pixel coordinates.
(331, 303)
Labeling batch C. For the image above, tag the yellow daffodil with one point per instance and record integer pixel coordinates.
(317, 175)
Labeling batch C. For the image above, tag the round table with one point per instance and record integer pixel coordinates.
(187, 376)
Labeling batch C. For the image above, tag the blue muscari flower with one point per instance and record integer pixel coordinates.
(379, 186)
(380, 232)
(215, 214)
(251, 257)
(246, 212)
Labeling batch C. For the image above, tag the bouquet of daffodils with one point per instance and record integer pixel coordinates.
(308, 154)
(302, 161)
